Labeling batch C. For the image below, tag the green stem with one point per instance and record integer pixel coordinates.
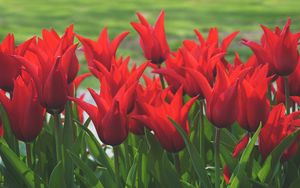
(28, 155)
(201, 126)
(287, 94)
(57, 137)
(117, 164)
(177, 162)
(162, 81)
(217, 158)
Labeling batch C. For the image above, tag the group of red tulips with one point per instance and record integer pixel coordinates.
(186, 87)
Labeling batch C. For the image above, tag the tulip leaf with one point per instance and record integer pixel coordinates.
(169, 173)
(25, 173)
(239, 175)
(88, 172)
(268, 169)
(57, 177)
(68, 143)
(196, 159)
(99, 155)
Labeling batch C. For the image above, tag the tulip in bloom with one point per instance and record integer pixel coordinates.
(149, 94)
(102, 50)
(254, 106)
(10, 68)
(293, 85)
(115, 102)
(221, 100)
(277, 127)
(52, 71)
(156, 119)
(153, 38)
(25, 113)
(110, 114)
(279, 49)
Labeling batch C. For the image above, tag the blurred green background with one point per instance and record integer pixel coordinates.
(26, 18)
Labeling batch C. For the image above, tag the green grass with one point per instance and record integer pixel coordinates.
(26, 18)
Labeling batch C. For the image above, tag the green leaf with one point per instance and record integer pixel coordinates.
(88, 172)
(239, 175)
(169, 177)
(268, 169)
(68, 142)
(25, 173)
(57, 177)
(195, 157)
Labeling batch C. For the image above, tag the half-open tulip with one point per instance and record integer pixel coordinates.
(110, 114)
(157, 117)
(101, 50)
(221, 100)
(52, 71)
(254, 106)
(10, 68)
(153, 38)
(277, 127)
(279, 49)
(25, 113)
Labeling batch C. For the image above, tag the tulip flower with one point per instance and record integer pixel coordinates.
(254, 106)
(226, 174)
(148, 94)
(110, 114)
(177, 71)
(211, 47)
(156, 119)
(101, 50)
(279, 49)
(221, 100)
(153, 38)
(277, 127)
(115, 102)
(25, 113)
(52, 72)
(10, 68)
(293, 86)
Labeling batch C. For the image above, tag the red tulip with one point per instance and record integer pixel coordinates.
(277, 127)
(221, 100)
(10, 68)
(110, 114)
(52, 71)
(101, 50)
(294, 87)
(178, 71)
(156, 119)
(279, 49)
(226, 174)
(153, 39)
(149, 94)
(25, 113)
(240, 146)
(211, 47)
(115, 102)
(254, 106)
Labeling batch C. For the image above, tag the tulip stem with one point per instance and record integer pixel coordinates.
(161, 77)
(28, 155)
(117, 164)
(201, 127)
(177, 162)
(287, 94)
(57, 137)
(217, 157)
